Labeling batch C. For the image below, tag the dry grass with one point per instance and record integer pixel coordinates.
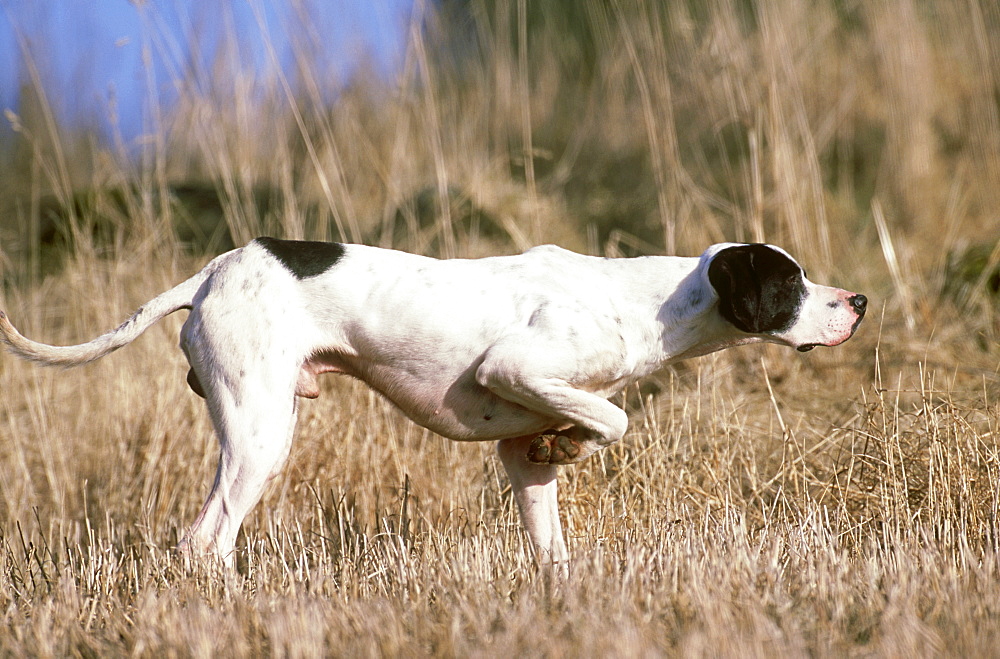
(763, 502)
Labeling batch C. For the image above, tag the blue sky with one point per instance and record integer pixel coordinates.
(89, 51)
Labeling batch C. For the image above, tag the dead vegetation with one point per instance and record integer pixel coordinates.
(763, 502)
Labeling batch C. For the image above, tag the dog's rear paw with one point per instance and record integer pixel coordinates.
(554, 450)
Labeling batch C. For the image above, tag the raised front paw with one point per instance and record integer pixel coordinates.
(555, 450)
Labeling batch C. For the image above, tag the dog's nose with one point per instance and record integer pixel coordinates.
(859, 303)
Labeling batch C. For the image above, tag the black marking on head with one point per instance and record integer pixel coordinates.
(303, 258)
(760, 289)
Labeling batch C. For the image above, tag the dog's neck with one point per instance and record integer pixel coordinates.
(681, 318)
(689, 322)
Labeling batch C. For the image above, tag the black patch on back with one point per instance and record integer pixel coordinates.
(303, 258)
(760, 289)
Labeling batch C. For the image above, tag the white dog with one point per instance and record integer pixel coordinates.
(523, 350)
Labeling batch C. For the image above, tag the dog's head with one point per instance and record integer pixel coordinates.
(763, 291)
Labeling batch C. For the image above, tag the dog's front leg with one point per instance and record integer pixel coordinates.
(584, 422)
(534, 489)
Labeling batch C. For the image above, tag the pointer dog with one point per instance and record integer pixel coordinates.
(523, 350)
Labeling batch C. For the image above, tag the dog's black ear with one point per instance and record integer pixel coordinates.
(734, 277)
(760, 288)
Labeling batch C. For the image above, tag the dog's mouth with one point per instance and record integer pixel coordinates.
(854, 327)
(806, 347)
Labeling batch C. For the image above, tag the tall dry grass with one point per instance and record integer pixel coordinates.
(763, 502)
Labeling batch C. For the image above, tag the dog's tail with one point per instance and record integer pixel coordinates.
(178, 297)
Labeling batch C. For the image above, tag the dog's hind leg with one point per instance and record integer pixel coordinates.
(254, 425)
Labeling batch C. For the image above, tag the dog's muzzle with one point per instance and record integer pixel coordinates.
(858, 304)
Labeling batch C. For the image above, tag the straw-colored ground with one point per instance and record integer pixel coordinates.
(764, 502)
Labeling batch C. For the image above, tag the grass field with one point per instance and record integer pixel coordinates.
(764, 502)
